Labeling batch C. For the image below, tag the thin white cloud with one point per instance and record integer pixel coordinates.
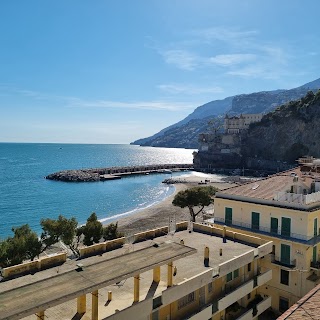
(182, 59)
(240, 52)
(75, 102)
(146, 105)
(224, 34)
(232, 59)
(188, 89)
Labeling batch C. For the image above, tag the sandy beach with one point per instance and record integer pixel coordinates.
(159, 214)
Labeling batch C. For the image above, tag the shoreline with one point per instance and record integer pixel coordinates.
(158, 215)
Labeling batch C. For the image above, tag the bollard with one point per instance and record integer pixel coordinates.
(220, 252)
(109, 295)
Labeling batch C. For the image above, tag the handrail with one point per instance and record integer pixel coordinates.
(264, 230)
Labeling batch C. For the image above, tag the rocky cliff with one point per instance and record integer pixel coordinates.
(287, 133)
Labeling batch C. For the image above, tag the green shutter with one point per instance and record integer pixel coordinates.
(228, 216)
(285, 254)
(229, 276)
(236, 273)
(315, 227)
(286, 227)
(255, 220)
(314, 254)
(274, 225)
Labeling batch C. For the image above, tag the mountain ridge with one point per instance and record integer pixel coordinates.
(184, 134)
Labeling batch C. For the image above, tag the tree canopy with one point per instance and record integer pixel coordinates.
(22, 246)
(25, 244)
(92, 230)
(195, 197)
(62, 229)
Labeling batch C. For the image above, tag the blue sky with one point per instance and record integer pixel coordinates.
(115, 71)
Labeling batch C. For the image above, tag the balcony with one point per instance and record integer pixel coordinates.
(315, 265)
(256, 310)
(231, 295)
(266, 230)
(285, 263)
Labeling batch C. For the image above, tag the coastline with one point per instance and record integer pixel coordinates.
(158, 215)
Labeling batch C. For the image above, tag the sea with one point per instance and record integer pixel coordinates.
(26, 196)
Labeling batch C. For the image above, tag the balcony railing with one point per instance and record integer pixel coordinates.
(268, 231)
(231, 295)
(286, 263)
(315, 264)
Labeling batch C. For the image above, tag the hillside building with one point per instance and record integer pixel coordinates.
(284, 209)
(235, 124)
(223, 150)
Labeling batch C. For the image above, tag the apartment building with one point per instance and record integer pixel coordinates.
(284, 209)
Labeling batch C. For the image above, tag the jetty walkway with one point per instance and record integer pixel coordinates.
(103, 174)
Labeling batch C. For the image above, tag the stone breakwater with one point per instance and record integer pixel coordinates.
(103, 174)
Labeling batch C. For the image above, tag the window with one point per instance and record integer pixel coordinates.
(255, 220)
(314, 254)
(315, 227)
(283, 304)
(249, 296)
(236, 273)
(249, 267)
(184, 301)
(285, 254)
(286, 227)
(274, 225)
(210, 287)
(229, 276)
(228, 216)
(284, 277)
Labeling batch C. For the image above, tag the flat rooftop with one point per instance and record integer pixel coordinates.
(188, 266)
(37, 296)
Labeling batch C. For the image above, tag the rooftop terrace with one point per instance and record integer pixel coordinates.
(117, 277)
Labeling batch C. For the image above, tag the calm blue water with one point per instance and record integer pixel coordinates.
(26, 197)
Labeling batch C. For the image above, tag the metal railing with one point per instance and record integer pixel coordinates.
(265, 230)
(315, 264)
(283, 262)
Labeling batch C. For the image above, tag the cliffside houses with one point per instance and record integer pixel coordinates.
(223, 150)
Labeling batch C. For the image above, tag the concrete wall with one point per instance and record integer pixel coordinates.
(229, 265)
(138, 237)
(139, 311)
(33, 266)
(174, 293)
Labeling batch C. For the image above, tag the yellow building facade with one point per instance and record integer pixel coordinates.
(270, 209)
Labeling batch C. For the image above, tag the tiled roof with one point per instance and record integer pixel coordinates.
(268, 187)
(307, 307)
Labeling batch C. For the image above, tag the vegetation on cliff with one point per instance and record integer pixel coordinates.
(287, 133)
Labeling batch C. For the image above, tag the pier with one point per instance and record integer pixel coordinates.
(112, 173)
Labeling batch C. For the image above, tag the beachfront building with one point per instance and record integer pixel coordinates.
(284, 209)
(206, 272)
